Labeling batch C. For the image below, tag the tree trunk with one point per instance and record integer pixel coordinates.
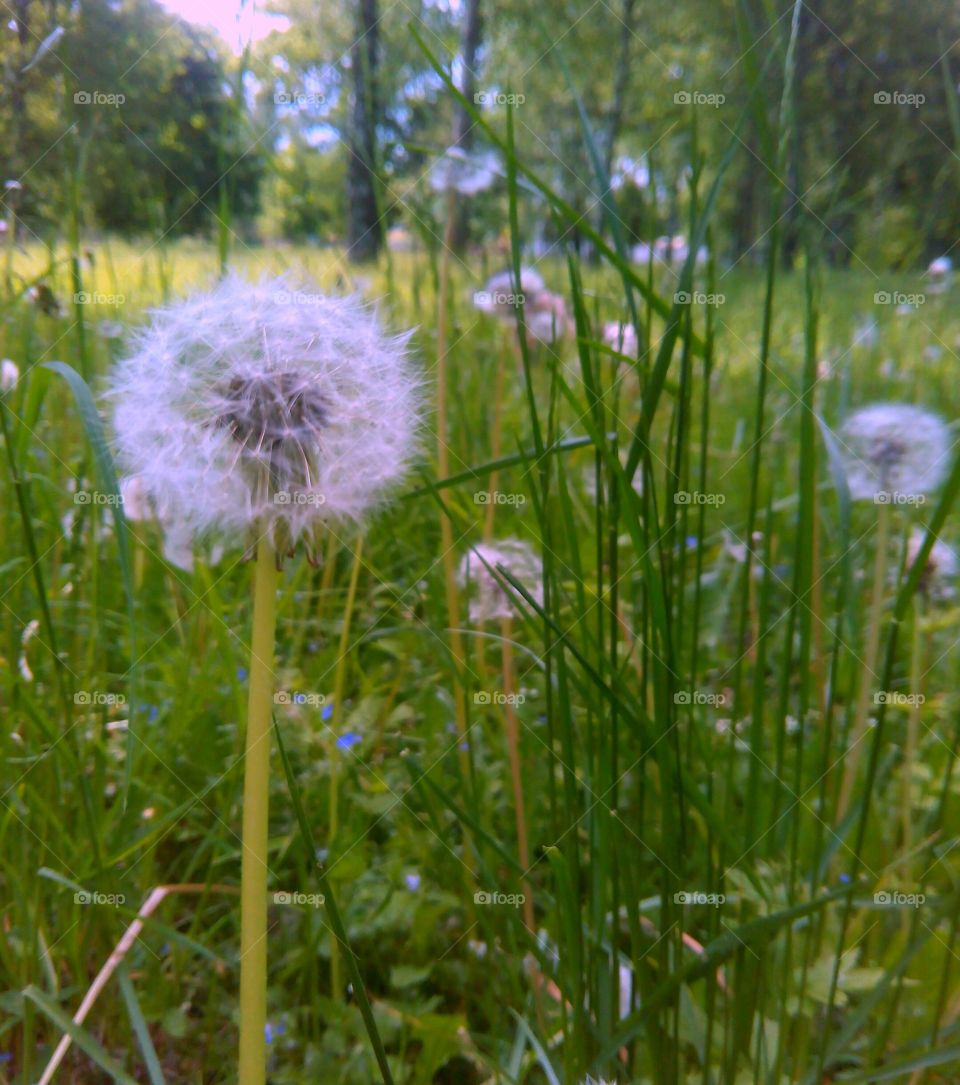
(364, 227)
(462, 122)
(621, 83)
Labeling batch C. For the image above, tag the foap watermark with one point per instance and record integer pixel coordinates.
(514, 900)
(898, 97)
(699, 696)
(498, 697)
(898, 297)
(698, 97)
(88, 297)
(904, 700)
(498, 299)
(298, 697)
(896, 497)
(498, 98)
(296, 297)
(695, 497)
(498, 497)
(96, 497)
(84, 896)
(695, 896)
(98, 97)
(894, 898)
(298, 497)
(697, 297)
(313, 900)
(92, 697)
(296, 99)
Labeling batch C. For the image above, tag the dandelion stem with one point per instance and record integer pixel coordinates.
(868, 674)
(516, 768)
(913, 721)
(336, 982)
(443, 470)
(496, 431)
(256, 796)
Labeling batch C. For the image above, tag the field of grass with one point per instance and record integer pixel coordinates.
(707, 907)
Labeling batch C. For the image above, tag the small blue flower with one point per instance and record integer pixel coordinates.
(845, 878)
(345, 742)
(241, 674)
(326, 712)
(412, 881)
(692, 541)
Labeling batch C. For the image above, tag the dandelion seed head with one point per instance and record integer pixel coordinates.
(265, 407)
(894, 448)
(621, 337)
(547, 318)
(491, 601)
(500, 291)
(936, 580)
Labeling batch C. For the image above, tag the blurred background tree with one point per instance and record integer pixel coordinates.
(325, 127)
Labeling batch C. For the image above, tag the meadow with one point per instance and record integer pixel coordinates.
(700, 901)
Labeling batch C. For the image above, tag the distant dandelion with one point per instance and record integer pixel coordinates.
(491, 601)
(894, 449)
(263, 408)
(547, 318)
(621, 337)
(9, 375)
(940, 571)
(500, 293)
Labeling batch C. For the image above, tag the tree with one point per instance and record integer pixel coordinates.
(364, 227)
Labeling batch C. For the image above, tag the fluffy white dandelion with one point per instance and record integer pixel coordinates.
(500, 294)
(940, 571)
(893, 451)
(265, 409)
(490, 600)
(621, 337)
(466, 172)
(547, 318)
(9, 375)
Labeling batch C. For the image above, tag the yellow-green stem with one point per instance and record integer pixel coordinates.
(256, 798)
(516, 768)
(443, 470)
(913, 721)
(496, 431)
(868, 674)
(336, 981)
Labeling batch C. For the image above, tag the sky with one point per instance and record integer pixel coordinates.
(224, 15)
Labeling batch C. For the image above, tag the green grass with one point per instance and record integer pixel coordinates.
(633, 796)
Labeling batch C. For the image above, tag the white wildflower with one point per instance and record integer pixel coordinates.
(894, 449)
(9, 375)
(491, 600)
(265, 407)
